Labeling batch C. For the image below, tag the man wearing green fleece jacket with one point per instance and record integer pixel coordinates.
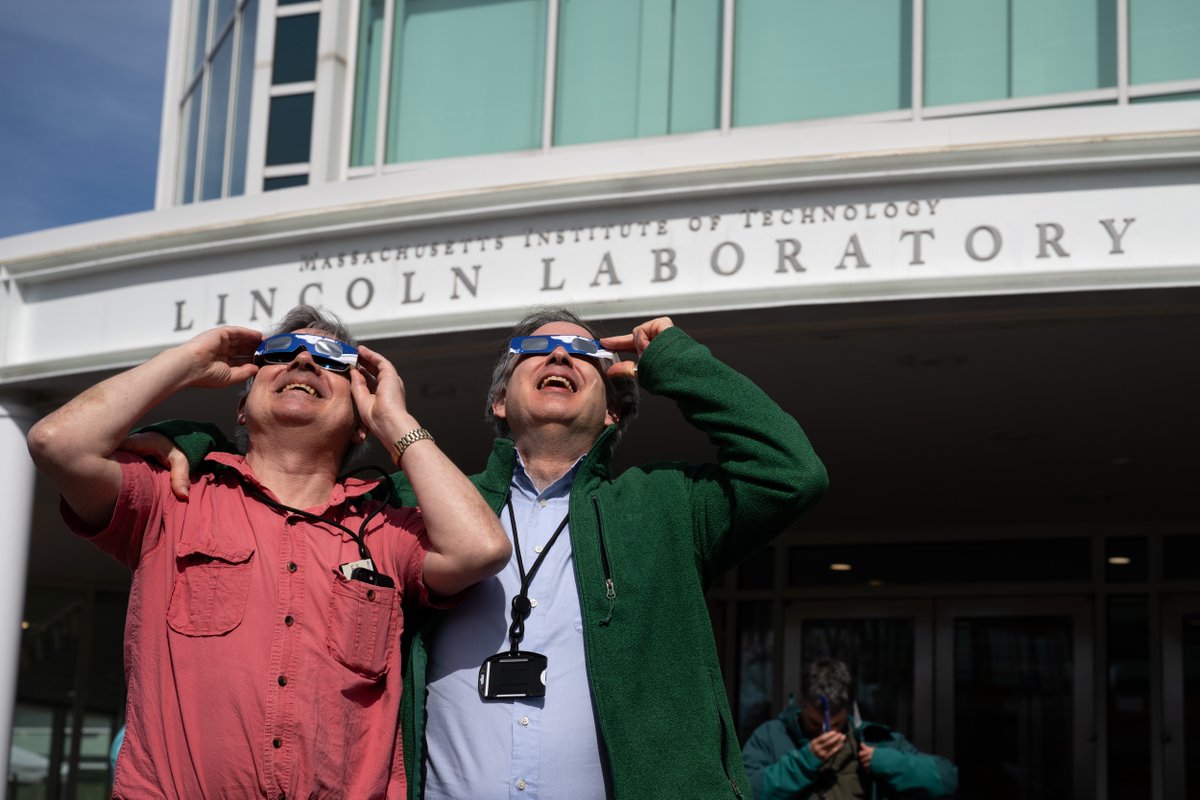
(814, 751)
(634, 705)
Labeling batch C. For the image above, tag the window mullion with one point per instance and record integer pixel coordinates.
(727, 67)
(551, 75)
(385, 83)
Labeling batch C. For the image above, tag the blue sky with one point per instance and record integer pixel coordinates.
(81, 86)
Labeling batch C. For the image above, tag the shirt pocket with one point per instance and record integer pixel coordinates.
(212, 582)
(363, 622)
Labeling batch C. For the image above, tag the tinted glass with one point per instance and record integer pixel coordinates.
(1013, 707)
(295, 49)
(630, 68)
(1164, 40)
(367, 85)
(286, 182)
(218, 120)
(797, 61)
(978, 50)
(467, 78)
(245, 84)
(289, 131)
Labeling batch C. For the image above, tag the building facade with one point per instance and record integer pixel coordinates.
(956, 239)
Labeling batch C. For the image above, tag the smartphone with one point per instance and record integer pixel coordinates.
(825, 726)
(377, 579)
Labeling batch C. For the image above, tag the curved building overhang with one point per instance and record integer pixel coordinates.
(1034, 201)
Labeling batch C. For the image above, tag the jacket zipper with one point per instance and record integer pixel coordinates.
(610, 589)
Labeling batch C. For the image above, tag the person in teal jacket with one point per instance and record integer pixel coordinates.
(814, 750)
(643, 547)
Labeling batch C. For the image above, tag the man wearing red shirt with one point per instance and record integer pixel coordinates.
(262, 640)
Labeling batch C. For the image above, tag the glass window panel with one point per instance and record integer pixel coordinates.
(756, 667)
(1164, 40)
(245, 85)
(1190, 643)
(880, 653)
(217, 122)
(367, 84)
(190, 146)
(797, 61)
(630, 68)
(1181, 557)
(940, 562)
(1128, 676)
(467, 78)
(284, 182)
(295, 58)
(200, 36)
(289, 129)
(1168, 98)
(224, 14)
(978, 50)
(1013, 707)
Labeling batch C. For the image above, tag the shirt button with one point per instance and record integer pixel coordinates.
(289, 620)
(370, 594)
(542, 502)
(524, 720)
(537, 549)
(282, 680)
(521, 784)
(277, 743)
(532, 603)
(291, 566)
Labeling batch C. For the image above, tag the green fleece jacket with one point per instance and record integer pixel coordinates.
(647, 544)
(782, 766)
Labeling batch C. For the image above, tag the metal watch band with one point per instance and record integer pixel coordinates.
(407, 439)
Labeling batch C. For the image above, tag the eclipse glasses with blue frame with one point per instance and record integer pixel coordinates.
(326, 353)
(548, 343)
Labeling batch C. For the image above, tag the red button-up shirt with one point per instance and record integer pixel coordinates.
(254, 667)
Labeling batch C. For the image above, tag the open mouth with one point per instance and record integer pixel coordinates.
(557, 381)
(299, 387)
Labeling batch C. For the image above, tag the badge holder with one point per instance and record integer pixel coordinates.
(516, 674)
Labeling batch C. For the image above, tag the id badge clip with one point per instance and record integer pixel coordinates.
(513, 676)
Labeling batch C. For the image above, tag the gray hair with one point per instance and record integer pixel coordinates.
(622, 393)
(829, 678)
(306, 317)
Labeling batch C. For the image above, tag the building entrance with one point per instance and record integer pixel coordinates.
(1002, 686)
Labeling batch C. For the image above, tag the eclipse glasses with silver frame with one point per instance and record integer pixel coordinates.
(548, 343)
(326, 353)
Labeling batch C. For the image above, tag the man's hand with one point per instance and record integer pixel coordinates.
(827, 744)
(222, 356)
(864, 756)
(383, 408)
(636, 343)
(162, 451)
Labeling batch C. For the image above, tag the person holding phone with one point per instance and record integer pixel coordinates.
(262, 652)
(820, 749)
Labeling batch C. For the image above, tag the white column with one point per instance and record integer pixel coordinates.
(16, 498)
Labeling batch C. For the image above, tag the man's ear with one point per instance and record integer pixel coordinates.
(498, 409)
(241, 412)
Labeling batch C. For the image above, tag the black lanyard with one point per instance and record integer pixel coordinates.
(520, 604)
(359, 538)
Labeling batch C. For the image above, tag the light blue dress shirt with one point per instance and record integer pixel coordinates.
(545, 748)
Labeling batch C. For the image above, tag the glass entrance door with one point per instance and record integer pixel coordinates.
(889, 648)
(1181, 697)
(1014, 697)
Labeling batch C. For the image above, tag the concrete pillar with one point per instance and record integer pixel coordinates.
(16, 498)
